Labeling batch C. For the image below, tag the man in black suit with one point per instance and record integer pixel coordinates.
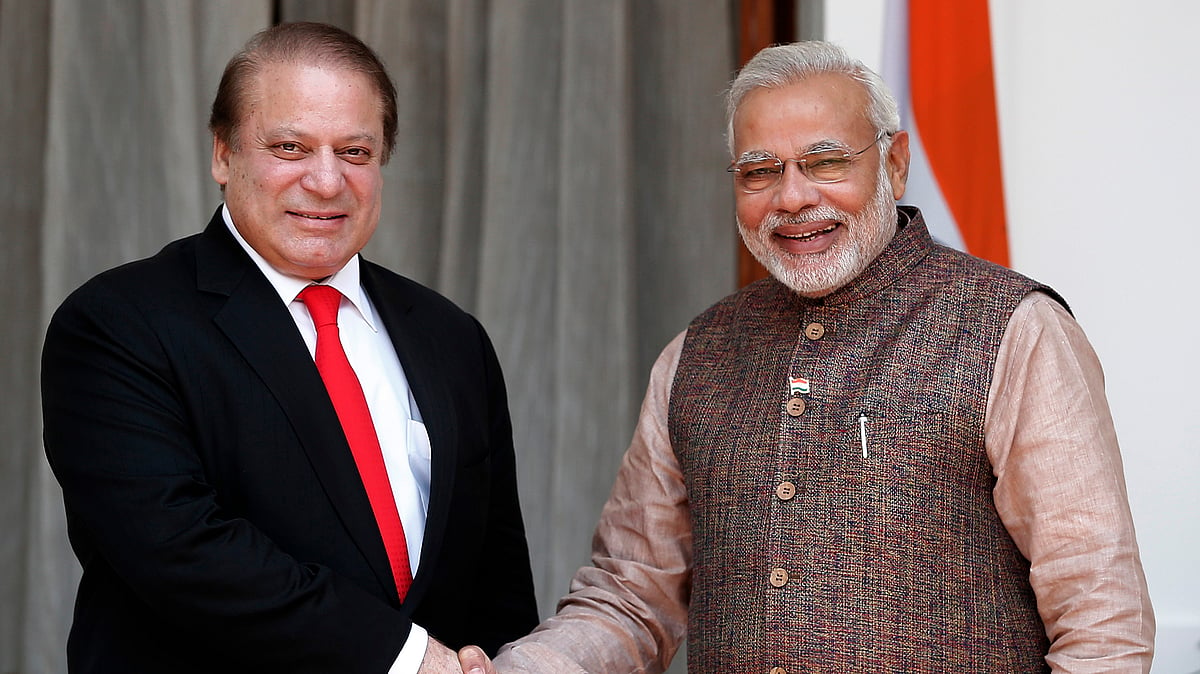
(213, 499)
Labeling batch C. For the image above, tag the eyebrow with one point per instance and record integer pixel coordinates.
(754, 155)
(289, 131)
(826, 145)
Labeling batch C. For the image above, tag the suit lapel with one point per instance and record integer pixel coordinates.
(416, 345)
(262, 329)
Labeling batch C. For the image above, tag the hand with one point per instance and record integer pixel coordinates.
(475, 661)
(441, 660)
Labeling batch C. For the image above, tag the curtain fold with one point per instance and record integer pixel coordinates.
(558, 173)
(24, 57)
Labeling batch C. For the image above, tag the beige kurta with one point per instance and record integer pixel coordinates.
(1060, 491)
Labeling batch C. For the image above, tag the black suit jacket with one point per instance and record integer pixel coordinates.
(212, 499)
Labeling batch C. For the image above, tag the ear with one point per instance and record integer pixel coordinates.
(897, 163)
(220, 161)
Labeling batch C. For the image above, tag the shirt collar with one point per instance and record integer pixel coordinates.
(347, 280)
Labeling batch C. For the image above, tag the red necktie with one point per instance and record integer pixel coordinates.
(351, 406)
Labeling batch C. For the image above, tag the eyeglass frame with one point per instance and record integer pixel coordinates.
(801, 163)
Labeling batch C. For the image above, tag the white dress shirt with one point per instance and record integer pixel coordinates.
(402, 435)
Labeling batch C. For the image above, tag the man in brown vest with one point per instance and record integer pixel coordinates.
(890, 456)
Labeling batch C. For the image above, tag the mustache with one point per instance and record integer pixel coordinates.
(817, 213)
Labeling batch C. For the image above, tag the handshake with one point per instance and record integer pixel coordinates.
(441, 660)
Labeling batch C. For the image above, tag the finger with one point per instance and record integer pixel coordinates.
(473, 660)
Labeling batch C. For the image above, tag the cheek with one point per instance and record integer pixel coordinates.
(255, 184)
(372, 192)
(751, 209)
(367, 192)
(850, 197)
(366, 179)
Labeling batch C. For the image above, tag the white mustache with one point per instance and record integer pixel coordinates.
(774, 221)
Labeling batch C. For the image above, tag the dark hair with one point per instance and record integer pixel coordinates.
(300, 42)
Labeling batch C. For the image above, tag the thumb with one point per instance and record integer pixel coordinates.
(473, 660)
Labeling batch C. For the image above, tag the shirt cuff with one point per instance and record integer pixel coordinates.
(409, 660)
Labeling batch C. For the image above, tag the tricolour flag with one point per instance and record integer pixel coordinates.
(938, 62)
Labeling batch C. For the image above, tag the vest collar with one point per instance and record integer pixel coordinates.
(907, 248)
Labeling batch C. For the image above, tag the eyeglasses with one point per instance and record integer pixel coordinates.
(759, 171)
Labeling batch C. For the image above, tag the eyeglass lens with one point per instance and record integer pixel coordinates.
(829, 166)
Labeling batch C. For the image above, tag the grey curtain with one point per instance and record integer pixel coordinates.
(558, 173)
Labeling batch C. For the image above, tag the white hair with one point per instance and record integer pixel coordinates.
(786, 64)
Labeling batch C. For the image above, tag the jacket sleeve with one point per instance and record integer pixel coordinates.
(511, 610)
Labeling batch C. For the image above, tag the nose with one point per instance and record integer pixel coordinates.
(795, 191)
(324, 175)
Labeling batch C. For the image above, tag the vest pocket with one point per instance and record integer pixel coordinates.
(888, 438)
(887, 417)
(918, 465)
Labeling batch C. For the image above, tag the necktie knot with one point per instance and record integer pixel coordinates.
(322, 302)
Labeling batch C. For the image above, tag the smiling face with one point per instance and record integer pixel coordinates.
(304, 186)
(815, 237)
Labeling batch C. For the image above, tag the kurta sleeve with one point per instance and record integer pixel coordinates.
(628, 611)
(1060, 490)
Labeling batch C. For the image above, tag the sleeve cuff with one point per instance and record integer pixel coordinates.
(409, 660)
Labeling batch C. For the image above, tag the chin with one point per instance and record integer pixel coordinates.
(814, 275)
(810, 285)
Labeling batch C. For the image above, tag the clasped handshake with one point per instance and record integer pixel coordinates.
(441, 660)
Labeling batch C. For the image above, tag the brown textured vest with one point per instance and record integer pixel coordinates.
(810, 557)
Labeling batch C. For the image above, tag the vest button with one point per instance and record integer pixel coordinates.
(779, 577)
(795, 407)
(778, 670)
(785, 491)
(814, 331)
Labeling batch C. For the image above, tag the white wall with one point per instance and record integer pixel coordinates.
(1100, 139)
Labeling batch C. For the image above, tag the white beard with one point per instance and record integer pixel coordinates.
(818, 274)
